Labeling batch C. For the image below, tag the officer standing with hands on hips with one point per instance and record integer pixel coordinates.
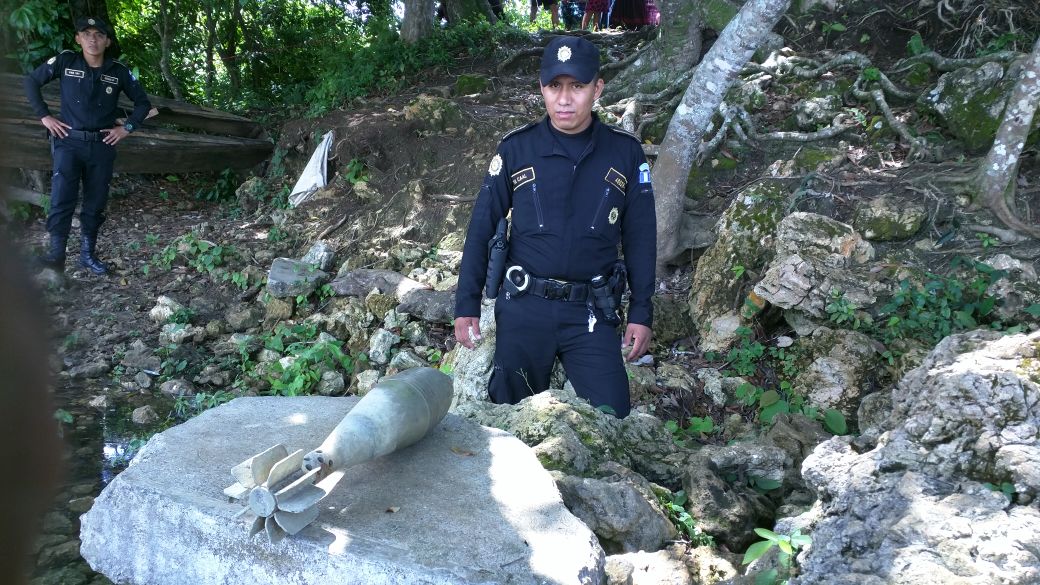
(577, 188)
(83, 141)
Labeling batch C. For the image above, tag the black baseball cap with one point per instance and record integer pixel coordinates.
(567, 55)
(86, 22)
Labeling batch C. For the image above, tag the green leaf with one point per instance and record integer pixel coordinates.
(768, 398)
(1034, 310)
(64, 416)
(834, 421)
(766, 484)
(770, 577)
(767, 413)
(755, 551)
(785, 546)
(837, 27)
(767, 534)
(800, 540)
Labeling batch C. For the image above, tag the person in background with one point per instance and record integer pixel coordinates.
(550, 5)
(594, 10)
(83, 141)
(576, 188)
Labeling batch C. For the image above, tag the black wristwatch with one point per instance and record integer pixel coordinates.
(129, 126)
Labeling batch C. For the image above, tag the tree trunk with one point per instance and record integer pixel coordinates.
(211, 44)
(418, 20)
(167, 30)
(462, 10)
(666, 58)
(711, 80)
(228, 47)
(1000, 169)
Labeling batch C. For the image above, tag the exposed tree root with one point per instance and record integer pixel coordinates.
(944, 64)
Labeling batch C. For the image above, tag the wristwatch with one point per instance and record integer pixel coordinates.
(129, 126)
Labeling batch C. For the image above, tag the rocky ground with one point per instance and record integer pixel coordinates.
(775, 315)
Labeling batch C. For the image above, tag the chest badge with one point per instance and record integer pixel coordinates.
(108, 89)
(74, 73)
(612, 218)
(110, 79)
(496, 166)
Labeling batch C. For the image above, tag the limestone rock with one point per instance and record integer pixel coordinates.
(177, 387)
(432, 306)
(969, 101)
(471, 368)
(664, 567)
(292, 278)
(912, 507)
(277, 309)
(620, 509)
(887, 218)
(746, 234)
(165, 307)
(320, 255)
(242, 317)
(434, 113)
(144, 415)
(671, 319)
(814, 112)
(140, 356)
(91, 369)
(331, 383)
(405, 360)
(380, 344)
(843, 369)
(816, 255)
(166, 520)
(366, 381)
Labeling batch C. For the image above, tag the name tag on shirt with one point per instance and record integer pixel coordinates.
(110, 79)
(74, 73)
(522, 177)
(616, 179)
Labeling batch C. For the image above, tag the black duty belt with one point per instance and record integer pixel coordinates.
(549, 288)
(85, 135)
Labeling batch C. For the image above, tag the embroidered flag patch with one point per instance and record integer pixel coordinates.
(644, 173)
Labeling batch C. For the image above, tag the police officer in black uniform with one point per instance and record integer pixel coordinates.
(83, 141)
(577, 188)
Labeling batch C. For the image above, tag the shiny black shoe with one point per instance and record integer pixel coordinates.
(87, 259)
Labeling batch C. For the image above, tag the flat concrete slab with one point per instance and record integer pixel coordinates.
(467, 504)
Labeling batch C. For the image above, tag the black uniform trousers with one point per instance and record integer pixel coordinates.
(532, 331)
(77, 161)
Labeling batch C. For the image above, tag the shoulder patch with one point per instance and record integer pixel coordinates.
(520, 129)
(624, 132)
(52, 60)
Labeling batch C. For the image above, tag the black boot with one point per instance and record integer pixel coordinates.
(87, 259)
(55, 257)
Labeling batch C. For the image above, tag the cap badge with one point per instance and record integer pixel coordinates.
(612, 218)
(91, 21)
(496, 166)
(564, 54)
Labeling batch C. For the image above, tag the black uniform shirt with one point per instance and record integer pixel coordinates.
(89, 97)
(568, 217)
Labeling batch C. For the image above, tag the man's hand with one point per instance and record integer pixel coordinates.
(114, 135)
(467, 331)
(56, 127)
(638, 337)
